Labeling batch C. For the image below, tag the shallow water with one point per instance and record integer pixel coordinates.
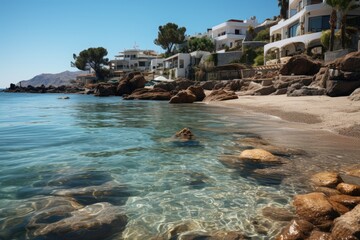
(49, 144)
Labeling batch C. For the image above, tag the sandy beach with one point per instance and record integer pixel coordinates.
(339, 115)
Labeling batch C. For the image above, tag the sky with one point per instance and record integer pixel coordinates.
(40, 36)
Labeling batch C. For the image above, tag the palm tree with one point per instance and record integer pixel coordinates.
(284, 7)
(346, 6)
(333, 19)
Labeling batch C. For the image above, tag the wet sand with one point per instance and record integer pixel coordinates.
(339, 115)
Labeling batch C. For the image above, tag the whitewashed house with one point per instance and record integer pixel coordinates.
(180, 64)
(302, 30)
(133, 60)
(231, 33)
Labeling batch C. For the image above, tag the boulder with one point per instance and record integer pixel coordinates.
(183, 96)
(355, 95)
(198, 92)
(105, 90)
(327, 191)
(349, 189)
(320, 78)
(220, 95)
(306, 91)
(296, 230)
(279, 84)
(208, 85)
(335, 88)
(233, 85)
(97, 221)
(277, 214)
(149, 94)
(326, 179)
(314, 208)
(348, 63)
(259, 155)
(280, 91)
(265, 90)
(300, 65)
(130, 83)
(346, 200)
(347, 226)
(185, 134)
(317, 235)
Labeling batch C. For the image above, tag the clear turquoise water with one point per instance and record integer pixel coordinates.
(48, 144)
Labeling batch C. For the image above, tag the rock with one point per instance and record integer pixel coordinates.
(185, 134)
(355, 95)
(327, 191)
(259, 155)
(348, 201)
(258, 142)
(105, 90)
(300, 65)
(183, 84)
(265, 90)
(296, 230)
(220, 95)
(354, 172)
(175, 231)
(149, 94)
(208, 85)
(335, 88)
(341, 209)
(97, 221)
(348, 63)
(66, 97)
(130, 83)
(320, 78)
(307, 91)
(326, 179)
(108, 192)
(349, 189)
(220, 235)
(347, 226)
(277, 214)
(317, 235)
(314, 208)
(279, 84)
(233, 85)
(280, 91)
(184, 96)
(198, 92)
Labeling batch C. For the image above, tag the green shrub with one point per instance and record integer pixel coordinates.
(259, 60)
(263, 35)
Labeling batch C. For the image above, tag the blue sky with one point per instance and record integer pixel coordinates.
(40, 36)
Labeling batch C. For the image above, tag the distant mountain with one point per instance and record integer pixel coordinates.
(47, 79)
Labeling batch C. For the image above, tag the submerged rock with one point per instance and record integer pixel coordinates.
(259, 155)
(97, 221)
(108, 192)
(185, 134)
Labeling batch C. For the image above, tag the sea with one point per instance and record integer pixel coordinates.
(96, 150)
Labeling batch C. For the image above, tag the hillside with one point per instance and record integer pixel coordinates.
(48, 79)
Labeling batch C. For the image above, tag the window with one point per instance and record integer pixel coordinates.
(237, 31)
(141, 64)
(181, 63)
(317, 24)
(353, 21)
(294, 30)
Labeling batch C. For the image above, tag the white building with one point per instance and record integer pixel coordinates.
(180, 64)
(133, 60)
(157, 64)
(231, 33)
(302, 31)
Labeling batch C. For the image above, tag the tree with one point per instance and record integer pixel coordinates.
(93, 58)
(263, 35)
(200, 44)
(333, 20)
(345, 7)
(284, 7)
(169, 35)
